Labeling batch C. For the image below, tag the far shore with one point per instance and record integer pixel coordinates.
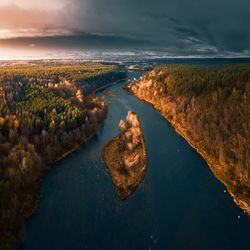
(109, 84)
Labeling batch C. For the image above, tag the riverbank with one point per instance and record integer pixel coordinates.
(27, 193)
(125, 157)
(31, 204)
(211, 161)
(75, 119)
(109, 84)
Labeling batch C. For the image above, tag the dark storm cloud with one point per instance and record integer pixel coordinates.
(217, 24)
(77, 41)
(179, 26)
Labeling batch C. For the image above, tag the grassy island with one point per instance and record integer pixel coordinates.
(125, 156)
(209, 107)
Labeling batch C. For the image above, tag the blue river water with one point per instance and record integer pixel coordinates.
(179, 205)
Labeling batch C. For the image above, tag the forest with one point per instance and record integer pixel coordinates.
(209, 107)
(45, 113)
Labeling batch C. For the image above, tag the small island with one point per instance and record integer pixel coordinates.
(125, 156)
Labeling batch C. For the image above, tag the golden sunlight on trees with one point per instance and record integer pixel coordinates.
(210, 108)
(46, 110)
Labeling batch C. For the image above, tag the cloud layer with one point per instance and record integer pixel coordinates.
(181, 26)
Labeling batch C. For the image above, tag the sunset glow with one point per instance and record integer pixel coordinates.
(25, 18)
(35, 4)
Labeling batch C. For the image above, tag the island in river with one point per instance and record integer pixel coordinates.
(209, 107)
(125, 156)
(47, 110)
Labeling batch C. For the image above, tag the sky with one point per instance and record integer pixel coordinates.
(173, 27)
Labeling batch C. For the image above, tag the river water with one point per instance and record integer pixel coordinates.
(180, 204)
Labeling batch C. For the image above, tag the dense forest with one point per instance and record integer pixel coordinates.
(87, 76)
(45, 113)
(209, 106)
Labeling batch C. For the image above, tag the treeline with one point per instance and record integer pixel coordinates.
(54, 72)
(40, 122)
(210, 106)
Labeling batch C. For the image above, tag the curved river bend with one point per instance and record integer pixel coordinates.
(180, 204)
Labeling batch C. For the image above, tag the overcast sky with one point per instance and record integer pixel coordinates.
(182, 27)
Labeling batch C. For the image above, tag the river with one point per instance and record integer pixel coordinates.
(180, 204)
